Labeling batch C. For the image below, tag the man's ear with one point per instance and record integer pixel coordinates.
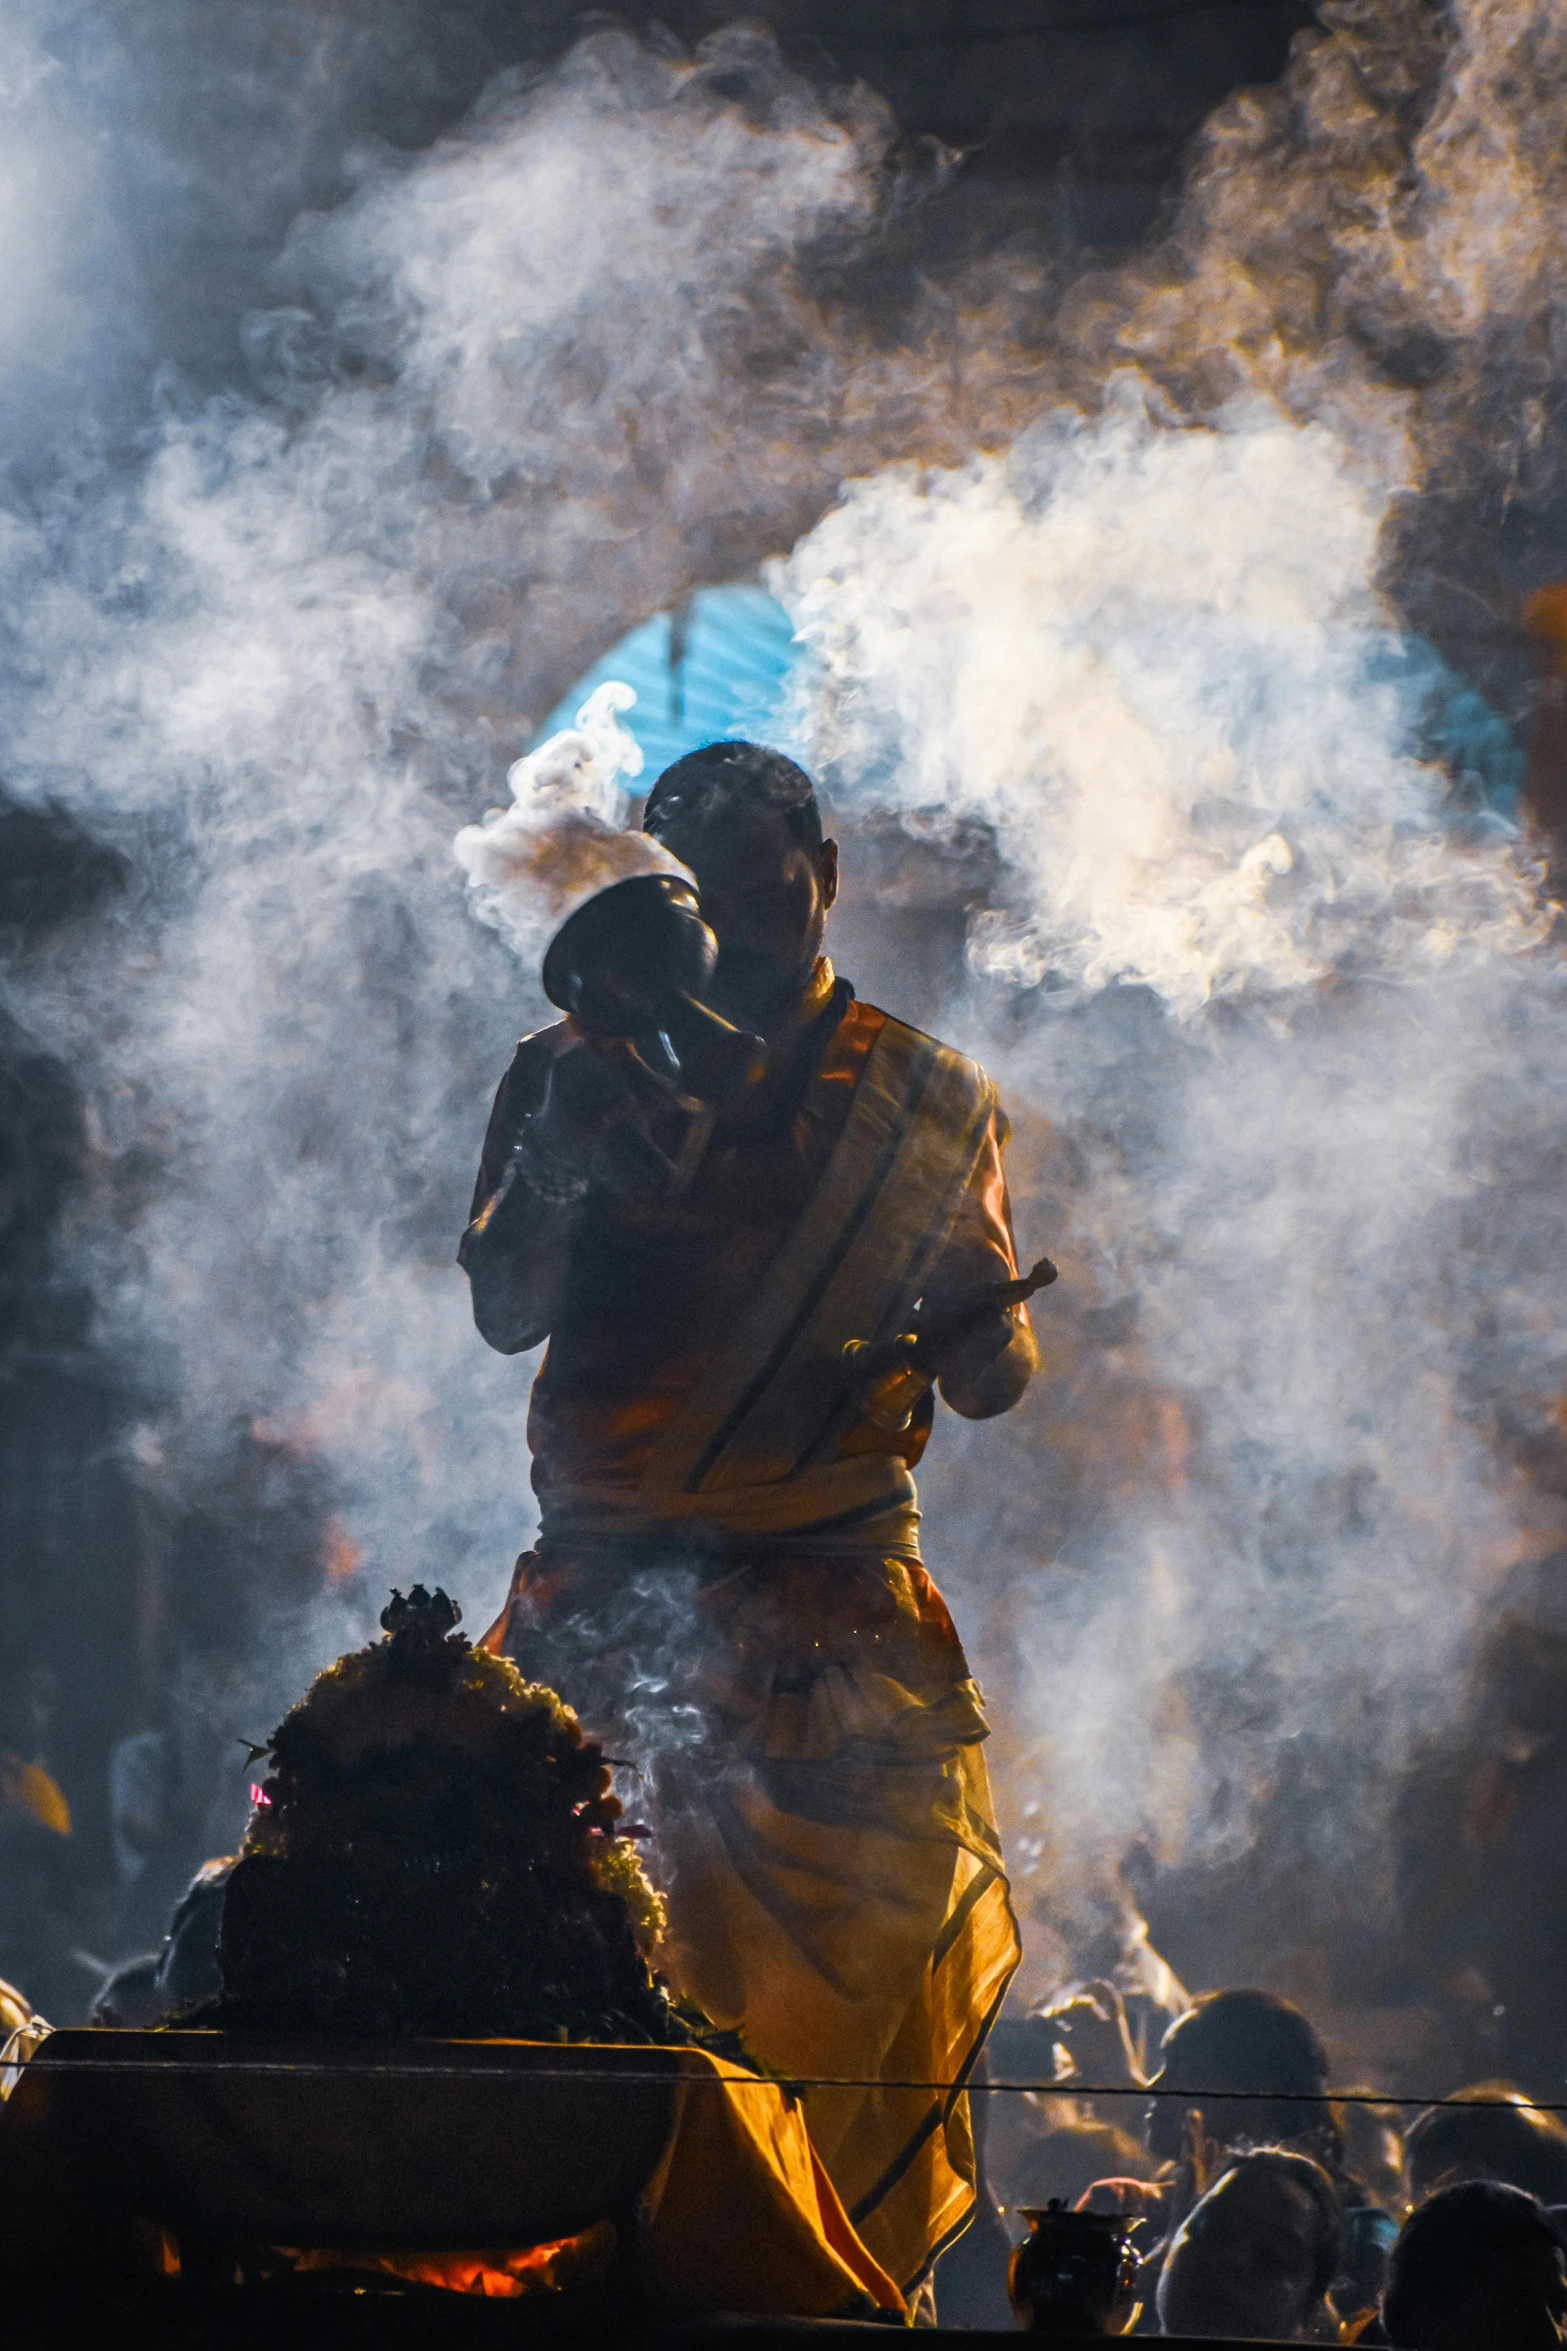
(827, 871)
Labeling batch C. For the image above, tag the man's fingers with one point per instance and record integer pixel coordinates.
(589, 1087)
(968, 1352)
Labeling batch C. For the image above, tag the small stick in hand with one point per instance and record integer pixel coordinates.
(891, 1375)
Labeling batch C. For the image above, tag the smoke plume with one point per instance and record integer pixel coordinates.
(564, 837)
(1291, 1015)
(1289, 1031)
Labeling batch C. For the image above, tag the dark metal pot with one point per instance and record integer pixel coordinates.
(1073, 2272)
(634, 962)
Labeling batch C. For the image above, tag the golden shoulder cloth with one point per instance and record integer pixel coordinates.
(838, 1889)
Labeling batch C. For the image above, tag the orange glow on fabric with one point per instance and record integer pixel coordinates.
(35, 1791)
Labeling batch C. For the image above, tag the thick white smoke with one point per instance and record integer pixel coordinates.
(565, 836)
(1269, 998)
(1136, 652)
(1296, 1031)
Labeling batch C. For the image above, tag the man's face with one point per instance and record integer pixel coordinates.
(766, 900)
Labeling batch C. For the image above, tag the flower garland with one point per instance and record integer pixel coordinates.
(435, 1851)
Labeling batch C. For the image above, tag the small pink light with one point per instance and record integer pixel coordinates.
(258, 1794)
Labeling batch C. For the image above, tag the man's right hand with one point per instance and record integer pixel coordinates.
(569, 1119)
(592, 1128)
(590, 1086)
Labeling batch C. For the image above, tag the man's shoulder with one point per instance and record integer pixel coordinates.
(524, 1077)
(876, 1022)
(549, 1040)
(535, 1050)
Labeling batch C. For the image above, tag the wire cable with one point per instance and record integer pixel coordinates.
(584, 2075)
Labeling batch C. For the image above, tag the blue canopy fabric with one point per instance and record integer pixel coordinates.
(1450, 720)
(715, 667)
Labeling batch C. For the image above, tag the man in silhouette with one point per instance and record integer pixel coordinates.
(727, 1580)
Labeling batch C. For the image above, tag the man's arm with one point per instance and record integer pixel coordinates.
(572, 1117)
(985, 1369)
(518, 1242)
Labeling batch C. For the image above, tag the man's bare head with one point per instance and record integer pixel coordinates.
(747, 823)
(1477, 2267)
(1257, 2254)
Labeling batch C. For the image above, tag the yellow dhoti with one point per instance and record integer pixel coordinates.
(816, 1779)
(748, 1620)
